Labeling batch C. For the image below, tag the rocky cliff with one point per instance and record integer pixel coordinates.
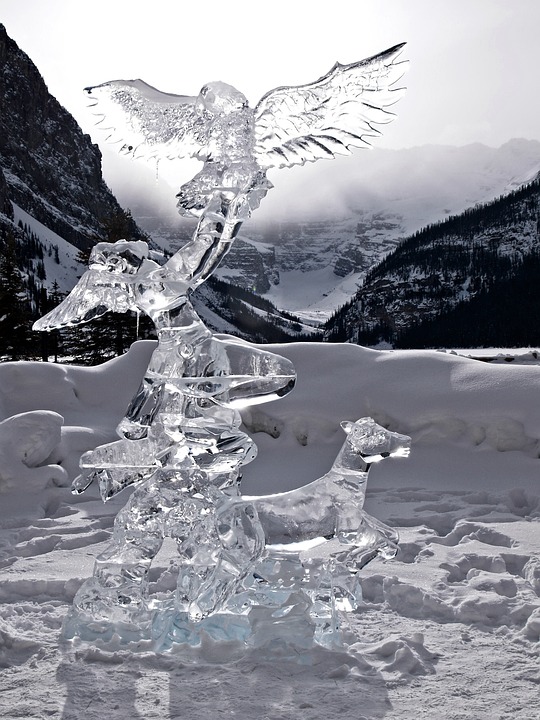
(6, 208)
(50, 167)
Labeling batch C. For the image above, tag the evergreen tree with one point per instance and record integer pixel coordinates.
(50, 342)
(118, 226)
(14, 313)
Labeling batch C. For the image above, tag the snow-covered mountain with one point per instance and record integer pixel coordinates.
(51, 169)
(470, 280)
(307, 249)
(322, 227)
(54, 203)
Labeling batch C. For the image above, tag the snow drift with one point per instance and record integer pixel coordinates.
(463, 593)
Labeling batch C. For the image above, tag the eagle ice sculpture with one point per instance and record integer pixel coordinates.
(238, 144)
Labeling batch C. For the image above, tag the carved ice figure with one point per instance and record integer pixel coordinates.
(331, 506)
(318, 536)
(180, 440)
(288, 126)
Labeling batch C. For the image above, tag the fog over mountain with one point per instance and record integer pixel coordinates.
(322, 227)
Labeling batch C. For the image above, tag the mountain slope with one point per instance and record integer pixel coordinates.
(51, 168)
(317, 233)
(468, 261)
(55, 203)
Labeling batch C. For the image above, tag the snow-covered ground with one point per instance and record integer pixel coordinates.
(67, 269)
(449, 629)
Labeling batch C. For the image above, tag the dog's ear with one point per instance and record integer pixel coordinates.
(347, 425)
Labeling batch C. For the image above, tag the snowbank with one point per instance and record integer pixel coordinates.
(463, 593)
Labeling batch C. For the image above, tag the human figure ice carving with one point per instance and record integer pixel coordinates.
(180, 440)
(181, 436)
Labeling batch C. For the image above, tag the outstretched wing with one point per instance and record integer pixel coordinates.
(294, 125)
(95, 294)
(148, 123)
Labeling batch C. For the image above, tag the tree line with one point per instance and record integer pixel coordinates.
(457, 282)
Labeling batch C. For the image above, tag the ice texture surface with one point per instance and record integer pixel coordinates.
(288, 126)
(273, 568)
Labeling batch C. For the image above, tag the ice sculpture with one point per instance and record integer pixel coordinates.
(317, 538)
(181, 438)
(246, 566)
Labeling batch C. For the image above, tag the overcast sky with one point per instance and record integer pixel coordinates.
(473, 73)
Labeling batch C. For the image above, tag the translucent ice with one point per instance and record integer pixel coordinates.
(320, 536)
(248, 568)
(288, 126)
(181, 441)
